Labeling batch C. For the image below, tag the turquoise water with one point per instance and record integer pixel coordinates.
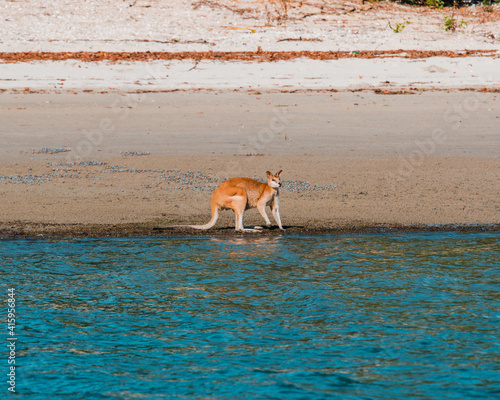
(368, 316)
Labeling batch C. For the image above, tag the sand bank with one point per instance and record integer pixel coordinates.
(144, 194)
(350, 160)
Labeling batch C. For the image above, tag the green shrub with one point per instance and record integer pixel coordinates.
(400, 26)
(414, 2)
(435, 3)
(452, 24)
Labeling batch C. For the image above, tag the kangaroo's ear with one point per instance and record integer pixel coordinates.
(278, 174)
(268, 173)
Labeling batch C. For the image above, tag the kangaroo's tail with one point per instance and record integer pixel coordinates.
(213, 220)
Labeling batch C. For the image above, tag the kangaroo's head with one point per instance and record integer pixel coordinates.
(274, 180)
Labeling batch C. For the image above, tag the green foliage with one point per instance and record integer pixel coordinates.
(488, 5)
(452, 24)
(400, 26)
(413, 2)
(436, 3)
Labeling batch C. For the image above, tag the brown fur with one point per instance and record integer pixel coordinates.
(240, 194)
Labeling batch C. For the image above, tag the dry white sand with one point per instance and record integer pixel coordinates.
(231, 25)
(342, 74)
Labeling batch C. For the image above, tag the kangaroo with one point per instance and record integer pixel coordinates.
(240, 194)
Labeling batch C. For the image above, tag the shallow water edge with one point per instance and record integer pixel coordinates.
(153, 229)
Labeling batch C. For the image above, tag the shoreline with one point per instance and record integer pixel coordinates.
(72, 231)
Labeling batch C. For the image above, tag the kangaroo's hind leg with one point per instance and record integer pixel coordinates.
(239, 203)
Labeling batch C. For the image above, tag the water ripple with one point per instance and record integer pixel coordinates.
(379, 316)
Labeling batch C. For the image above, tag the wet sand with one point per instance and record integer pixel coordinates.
(351, 161)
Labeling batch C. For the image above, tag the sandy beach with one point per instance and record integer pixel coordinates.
(95, 147)
(116, 165)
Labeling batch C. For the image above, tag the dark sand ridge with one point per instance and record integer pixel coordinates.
(258, 55)
(352, 161)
